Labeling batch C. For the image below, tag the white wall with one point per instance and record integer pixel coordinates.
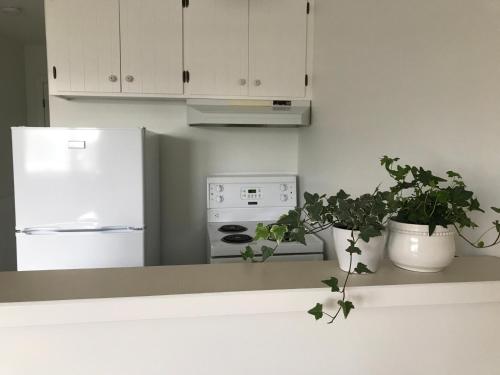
(12, 112)
(188, 156)
(436, 340)
(35, 56)
(414, 79)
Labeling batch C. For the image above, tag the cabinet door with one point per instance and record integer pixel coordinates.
(277, 44)
(216, 47)
(151, 46)
(83, 45)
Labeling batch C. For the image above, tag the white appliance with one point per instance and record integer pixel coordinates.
(86, 198)
(253, 113)
(236, 204)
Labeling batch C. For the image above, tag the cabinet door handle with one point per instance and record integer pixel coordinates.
(258, 82)
(129, 78)
(243, 82)
(113, 78)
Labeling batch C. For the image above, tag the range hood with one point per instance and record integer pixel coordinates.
(248, 113)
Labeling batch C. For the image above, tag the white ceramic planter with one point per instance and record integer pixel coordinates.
(410, 247)
(371, 252)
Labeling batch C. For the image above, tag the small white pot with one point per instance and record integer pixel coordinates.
(410, 247)
(371, 252)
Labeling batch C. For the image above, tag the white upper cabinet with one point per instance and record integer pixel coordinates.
(177, 48)
(216, 47)
(277, 45)
(83, 45)
(151, 46)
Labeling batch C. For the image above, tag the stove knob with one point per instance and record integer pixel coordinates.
(219, 188)
(220, 199)
(283, 187)
(284, 197)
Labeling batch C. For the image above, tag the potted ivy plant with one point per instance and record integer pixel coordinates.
(358, 229)
(429, 211)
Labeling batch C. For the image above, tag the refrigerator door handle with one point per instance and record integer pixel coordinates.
(103, 230)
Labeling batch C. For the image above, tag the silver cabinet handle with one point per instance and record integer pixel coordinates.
(243, 82)
(113, 78)
(258, 82)
(129, 78)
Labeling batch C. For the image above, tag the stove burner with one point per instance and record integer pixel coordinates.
(237, 238)
(232, 228)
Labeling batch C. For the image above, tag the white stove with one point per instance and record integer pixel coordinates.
(236, 204)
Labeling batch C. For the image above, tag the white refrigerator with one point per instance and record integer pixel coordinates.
(86, 198)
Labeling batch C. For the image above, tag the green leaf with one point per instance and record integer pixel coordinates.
(278, 232)
(267, 252)
(368, 232)
(346, 306)
(497, 210)
(333, 283)
(342, 195)
(362, 268)
(452, 174)
(248, 253)
(261, 232)
(299, 235)
(496, 223)
(291, 219)
(317, 311)
(480, 244)
(353, 250)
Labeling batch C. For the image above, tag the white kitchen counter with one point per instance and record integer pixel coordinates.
(76, 296)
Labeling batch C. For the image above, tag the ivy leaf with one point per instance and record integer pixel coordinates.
(267, 252)
(299, 235)
(432, 228)
(497, 210)
(342, 195)
(311, 198)
(496, 223)
(368, 232)
(346, 306)
(278, 232)
(333, 283)
(317, 311)
(362, 268)
(353, 250)
(291, 219)
(474, 205)
(248, 253)
(452, 174)
(261, 232)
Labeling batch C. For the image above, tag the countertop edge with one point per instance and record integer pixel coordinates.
(94, 310)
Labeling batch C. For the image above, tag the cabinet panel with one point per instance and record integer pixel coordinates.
(83, 45)
(216, 47)
(151, 46)
(277, 45)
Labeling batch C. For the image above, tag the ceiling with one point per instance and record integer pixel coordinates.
(27, 27)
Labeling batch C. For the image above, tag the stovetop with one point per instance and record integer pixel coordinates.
(245, 231)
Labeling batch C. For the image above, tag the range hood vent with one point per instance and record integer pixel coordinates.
(248, 113)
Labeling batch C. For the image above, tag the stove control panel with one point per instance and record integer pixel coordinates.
(251, 193)
(239, 192)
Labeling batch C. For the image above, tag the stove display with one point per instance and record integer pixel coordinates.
(232, 228)
(237, 238)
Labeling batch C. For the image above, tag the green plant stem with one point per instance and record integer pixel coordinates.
(494, 243)
(345, 282)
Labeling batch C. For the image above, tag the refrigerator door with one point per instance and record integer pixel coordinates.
(78, 178)
(46, 250)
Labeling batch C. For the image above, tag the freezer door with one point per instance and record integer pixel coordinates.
(68, 250)
(78, 178)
